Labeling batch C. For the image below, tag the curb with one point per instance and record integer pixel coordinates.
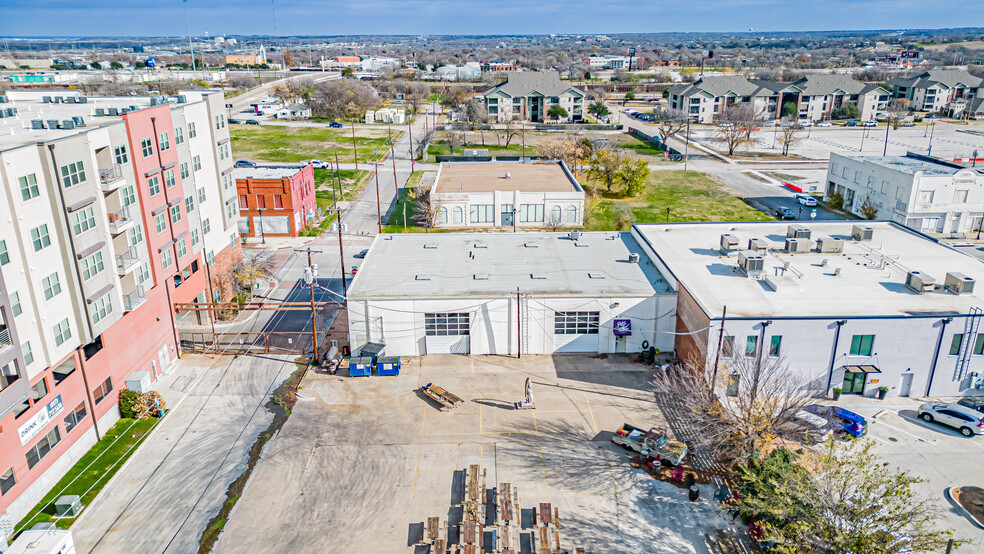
(963, 511)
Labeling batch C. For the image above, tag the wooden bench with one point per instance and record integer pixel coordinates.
(433, 528)
(505, 503)
(546, 514)
(440, 546)
(544, 540)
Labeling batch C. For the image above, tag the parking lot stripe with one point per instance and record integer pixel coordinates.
(416, 472)
(590, 411)
(543, 467)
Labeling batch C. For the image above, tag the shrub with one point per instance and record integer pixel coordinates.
(128, 401)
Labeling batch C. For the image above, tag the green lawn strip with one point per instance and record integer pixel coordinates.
(106, 457)
(283, 144)
(353, 181)
(691, 196)
(395, 222)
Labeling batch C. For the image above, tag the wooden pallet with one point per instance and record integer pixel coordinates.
(448, 400)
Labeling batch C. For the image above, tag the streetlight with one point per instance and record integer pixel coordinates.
(260, 219)
(930, 151)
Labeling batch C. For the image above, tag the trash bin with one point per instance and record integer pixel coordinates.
(360, 367)
(388, 365)
(694, 493)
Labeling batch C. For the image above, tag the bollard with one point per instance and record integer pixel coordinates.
(694, 493)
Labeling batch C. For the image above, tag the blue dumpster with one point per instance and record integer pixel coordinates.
(360, 367)
(388, 365)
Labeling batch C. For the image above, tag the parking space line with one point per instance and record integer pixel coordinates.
(416, 472)
(590, 411)
(917, 437)
(535, 428)
(543, 467)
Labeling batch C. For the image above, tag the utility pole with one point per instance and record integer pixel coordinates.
(310, 274)
(888, 126)
(686, 145)
(379, 212)
(338, 223)
(396, 184)
(355, 151)
(410, 131)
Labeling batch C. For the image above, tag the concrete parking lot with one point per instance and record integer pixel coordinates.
(933, 452)
(362, 462)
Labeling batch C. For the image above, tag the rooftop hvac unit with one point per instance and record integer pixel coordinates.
(798, 245)
(113, 111)
(82, 100)
(134, 108)
(575, 234)
(3, 99)
(860, 232)
(37, 124)
(829, 245)
(154, 101)
(2, 114)
(68, 124)
(182, 99)
(11, 112)
(45, 99)
(958, 283)
(124, 110)
(758, 244)
(729, 243)
(52, 124)
(79, 122)
(919, 282)
(797, 232)
(100, 112)
(750, 263)
(69, 100)
(56, 100)
(633, 258)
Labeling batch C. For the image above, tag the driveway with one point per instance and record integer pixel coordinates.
(363, 462)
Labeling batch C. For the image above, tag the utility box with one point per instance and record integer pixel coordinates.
(68, 505)
(958, 283)
(828, 245)
(798, 245)
(139, 381)
(919, 282)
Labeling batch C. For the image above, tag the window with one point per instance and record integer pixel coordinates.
(143, 272)
(728, 346)
(154, 184)
(164, 141)
(260, 202)
(979, 344)
(40, 238)
(576, 323)
(102, 307)
(129, 194)
(120, 154)
(201, 195)
(182, 248)
(83, 220)
(458, 215)
(102, 391)
(243, 202)
(169, 180)
(210, 259)
(160, 222)
(960, 196)
(4, 254)
(925, 197)
(955, 344)
(556, 214)
(442, 215)
(43, 447)
(92, 266)
(15, 305)
(191, 131)
(861, 345)
(196, 163)
(62, 332)
(29, 187)
(39, 390)
(72, 174)
(51, 285)
(185, 171)
(530, 213)
(775, 345)
(195, 237)
(446, 324)
(227, 182)
(176, 213)
(166, 260)
(751, 345)
(28, 353)
(7, 481)
(135, 235)
(190, 204)
(206, 225)
(482, 213)
(75, 417)
(572, 214)
(147, 147)
(179, 135)
(278, 201)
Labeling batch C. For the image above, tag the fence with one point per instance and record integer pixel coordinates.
(263, 342)
(672, 153)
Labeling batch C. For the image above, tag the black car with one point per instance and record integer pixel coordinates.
(973, 402)
(785, 213)
(235, 122)
(252, 122)
(362, 254)
(245, 163)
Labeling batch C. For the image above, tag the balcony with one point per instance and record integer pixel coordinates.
(5, 342)
(121, 221)
(134, 299)
(127, 261)
(111, 178)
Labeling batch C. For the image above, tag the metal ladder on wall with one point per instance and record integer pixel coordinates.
(525, 310)
(971, 323)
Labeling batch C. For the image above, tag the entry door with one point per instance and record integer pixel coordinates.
(620, 344)
(164, 357)
(906, 384)
(507, 215)
(854, 383)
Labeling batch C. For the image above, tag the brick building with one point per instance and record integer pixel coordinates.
(275, 200)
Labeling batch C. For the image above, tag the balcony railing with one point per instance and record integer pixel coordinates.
(118, 219)
(5, 342)
(111, 177)
(134, 299)
(128, 259)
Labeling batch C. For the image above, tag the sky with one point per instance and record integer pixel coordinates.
(413, 17)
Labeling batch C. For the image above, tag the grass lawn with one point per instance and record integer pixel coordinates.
(106, 457)
(441, 148)
(690, 196)
(395, 222)
(641, 148)
(280, 143)
(325, 191)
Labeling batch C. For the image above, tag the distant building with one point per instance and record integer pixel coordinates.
(396, 116)
(294, 111)
(245, 59)
(529, 95)
(933, 90)
(275, 200)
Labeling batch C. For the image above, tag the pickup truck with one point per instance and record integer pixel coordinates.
(655, 443)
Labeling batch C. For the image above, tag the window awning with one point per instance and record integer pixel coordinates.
(861, 369)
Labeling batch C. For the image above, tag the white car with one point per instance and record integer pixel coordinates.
(966, 420)
(806, 200)
(805, 124)
(318, 164)
(824, 124)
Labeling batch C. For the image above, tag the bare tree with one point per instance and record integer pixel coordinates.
(415, 95)
(737, 409)
(425, 211)
(669, 122)
(242, 81)
(896, 111)
(454, 137)
(789, 135)
(512, 131)
(733, 126)
(569, 148)
(476, 116)
(421, 142)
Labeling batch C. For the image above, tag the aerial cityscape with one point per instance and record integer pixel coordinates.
(517, 278)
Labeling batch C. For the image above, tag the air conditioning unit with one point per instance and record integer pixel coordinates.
(81, 100)
(828, 245)
(79, 122)
(633, 258)
(100, 112)
(575, 234)
(750, 263)
(182, 99)
(45, 99)
(729, 243)
(797, 232)
(958, 283)
(37, 124)
(758, 245)
(68, 124)
(860, 232)
(113, 111)
(798, 245)
(919, 282)
(52, 124)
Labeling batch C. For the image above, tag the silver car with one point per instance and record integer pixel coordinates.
(961, 418)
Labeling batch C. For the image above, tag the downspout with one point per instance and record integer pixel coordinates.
(936, 353)
(833, 354)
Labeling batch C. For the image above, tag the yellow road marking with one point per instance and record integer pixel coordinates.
(416, 472)
(590, 411)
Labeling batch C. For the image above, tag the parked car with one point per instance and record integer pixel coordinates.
(335, 125)
(235, 122)
(842, 422)
(825, 124)
(785, 213)
(908, 124)
(259, 112)
(869, 124)
(817, 428)
(851, 124)
(966, 420)
(806, 200)
(252, 122)
(245, 163)
(362, 254)
(805, 124)
(973, 402)
(318, 164)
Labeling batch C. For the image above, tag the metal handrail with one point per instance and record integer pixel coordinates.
(110, 174)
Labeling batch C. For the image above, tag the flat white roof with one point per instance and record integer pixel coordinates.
(871, 280)
(275, 172)
(450, 265)
(548, 176)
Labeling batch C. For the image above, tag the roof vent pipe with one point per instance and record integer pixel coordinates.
(508, 175)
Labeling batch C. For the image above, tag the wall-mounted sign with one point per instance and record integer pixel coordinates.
(622, 327)
(40, 420)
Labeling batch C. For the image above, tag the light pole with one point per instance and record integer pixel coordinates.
(888, 127)
(686, 145)
(932, 131)
(260, 219)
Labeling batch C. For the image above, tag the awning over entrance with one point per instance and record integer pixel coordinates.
(861, 369)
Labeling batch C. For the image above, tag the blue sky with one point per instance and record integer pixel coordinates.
(304, 17)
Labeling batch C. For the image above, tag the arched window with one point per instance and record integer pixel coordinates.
(459, 214)
(442, 215)
(572, 214)
(555, 214)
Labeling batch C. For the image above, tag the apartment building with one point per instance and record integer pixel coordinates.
(529, 95)
(111, 209)
(921, 192)
(934, 90)
(275, 200)
(706, 98)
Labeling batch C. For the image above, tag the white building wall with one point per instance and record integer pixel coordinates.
(564, 200)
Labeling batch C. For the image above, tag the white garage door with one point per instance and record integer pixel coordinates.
(576, 331)
(455, 344)
(575, 343)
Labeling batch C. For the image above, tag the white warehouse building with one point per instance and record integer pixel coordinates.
(509, 293)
